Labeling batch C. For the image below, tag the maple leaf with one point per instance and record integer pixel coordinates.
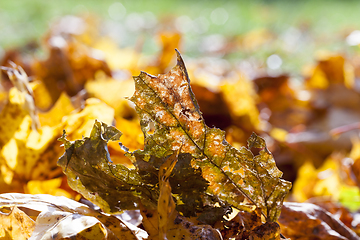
(113, 187)
(167, 103)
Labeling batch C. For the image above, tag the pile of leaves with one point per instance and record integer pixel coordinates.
(177, 159)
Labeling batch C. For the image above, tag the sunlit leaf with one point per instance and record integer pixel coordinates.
(113, 93)
(15, 224)
(61, 218)
(168, 42)
(55, 115)
(328, 181)
(331, 69)
(235, 176)
(21, 144)
(243, 107)
(51, 186)
(20, 80)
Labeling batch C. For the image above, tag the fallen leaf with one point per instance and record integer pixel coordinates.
(242, 109)
(167, 103)
(169, 224)
(168, 41)
(117, 188)
(62, 218)
(113, 93)
(15, 224)
(308, 221)
(331, 69)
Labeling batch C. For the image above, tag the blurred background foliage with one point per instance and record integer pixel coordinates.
(296, 28)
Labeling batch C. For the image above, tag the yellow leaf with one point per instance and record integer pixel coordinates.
(42, 96)
(169, 41)
(113, 93)
(331, 69)
(51, 186)
(11, 116)
(54, 116)
(15, 224)
(244, 106)
(150, 221)
(305, 182)
(80, 124)
(126, 58)
(10, 153)
(279, 134)
(312, 182)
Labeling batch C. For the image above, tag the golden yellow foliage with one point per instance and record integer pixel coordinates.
(15, 224)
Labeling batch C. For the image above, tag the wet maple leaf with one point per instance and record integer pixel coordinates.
(235, 176)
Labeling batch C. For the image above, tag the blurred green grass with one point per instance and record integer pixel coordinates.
(325, 22)
(22, 20)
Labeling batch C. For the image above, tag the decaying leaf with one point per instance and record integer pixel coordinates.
(62, 218)
(235, 176)
(87, 164)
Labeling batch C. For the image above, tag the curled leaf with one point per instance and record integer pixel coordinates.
(15, 224)
(62, 218)
(88, 166)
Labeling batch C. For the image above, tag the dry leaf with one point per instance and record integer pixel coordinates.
(62, 218)
(15, 224)
(302, 221)
(167, 102)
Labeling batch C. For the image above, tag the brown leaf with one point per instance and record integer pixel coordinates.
(303, 221)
